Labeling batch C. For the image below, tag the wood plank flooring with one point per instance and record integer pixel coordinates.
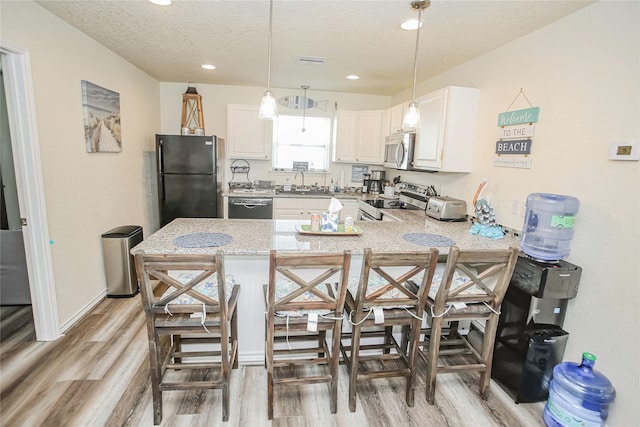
(98, 375)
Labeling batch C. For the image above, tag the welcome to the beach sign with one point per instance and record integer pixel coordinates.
(515, 133)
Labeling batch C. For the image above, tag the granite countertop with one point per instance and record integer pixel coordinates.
(258, 237)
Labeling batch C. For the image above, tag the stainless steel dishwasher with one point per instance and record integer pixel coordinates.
(250, 208)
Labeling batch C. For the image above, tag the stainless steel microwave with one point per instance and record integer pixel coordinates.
(398, 150)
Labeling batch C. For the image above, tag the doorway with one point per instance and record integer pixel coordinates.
(20, 103)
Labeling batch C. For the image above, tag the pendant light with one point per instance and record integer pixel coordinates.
(411, 119)
(268, 109)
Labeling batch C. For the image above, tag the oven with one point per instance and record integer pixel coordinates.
(368, 212)
(250, 208)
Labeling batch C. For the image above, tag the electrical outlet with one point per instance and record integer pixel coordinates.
(523, 209)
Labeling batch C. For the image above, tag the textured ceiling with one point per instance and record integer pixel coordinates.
(356, 36)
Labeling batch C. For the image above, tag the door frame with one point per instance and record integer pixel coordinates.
(26, 157)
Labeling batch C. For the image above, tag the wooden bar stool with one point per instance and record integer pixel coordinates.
(304, 299)
(197, 305)
(471, 287)
(382, 298)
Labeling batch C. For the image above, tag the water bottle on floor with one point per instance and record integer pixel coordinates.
(578, 395)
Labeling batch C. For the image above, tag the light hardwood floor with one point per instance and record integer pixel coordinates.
(97, 375)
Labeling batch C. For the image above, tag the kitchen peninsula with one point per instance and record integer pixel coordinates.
(247, 254)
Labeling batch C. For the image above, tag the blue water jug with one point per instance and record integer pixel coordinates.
(579, 395)
(548, 226)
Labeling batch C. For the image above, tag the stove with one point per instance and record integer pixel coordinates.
(417, 195)
(412, 197)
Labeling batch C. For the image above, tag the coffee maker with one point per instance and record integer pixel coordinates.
(530, 340)
(366, 182)
(376, 183)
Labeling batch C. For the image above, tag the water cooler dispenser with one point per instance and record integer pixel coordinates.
(530, 340)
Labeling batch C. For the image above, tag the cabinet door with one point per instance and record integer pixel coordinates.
(346, 136)
(429, 138)
(248, 136)
(385, 129)
(315, 206)
(370, 137)
(397, 116)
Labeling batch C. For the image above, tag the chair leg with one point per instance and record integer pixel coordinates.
(225, 400)
(335, 359)
(432, 359)
(177, 345)
(322, 339)
(414, 335)
(156, 378)
(488, 341)
(353, 368)
(234, 338)
(388, 330)
(405, 337)
(269, 395)
(269, 331)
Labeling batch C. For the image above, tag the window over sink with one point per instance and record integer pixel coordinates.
(301, 138)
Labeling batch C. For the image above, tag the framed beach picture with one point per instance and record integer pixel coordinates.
(101, 109)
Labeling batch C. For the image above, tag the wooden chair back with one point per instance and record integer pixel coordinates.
(190, 277)
(401, 288)
(326, 290)
(476, 276)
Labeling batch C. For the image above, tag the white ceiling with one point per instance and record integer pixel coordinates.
(356, 36)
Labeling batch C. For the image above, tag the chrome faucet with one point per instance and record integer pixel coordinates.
(301, 173)
(324, 186)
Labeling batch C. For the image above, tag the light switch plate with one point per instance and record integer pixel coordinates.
(624, 150)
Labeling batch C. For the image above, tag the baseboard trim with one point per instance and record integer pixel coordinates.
(83, 312)
(251, 358)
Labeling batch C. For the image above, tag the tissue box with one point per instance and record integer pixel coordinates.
(329, 222)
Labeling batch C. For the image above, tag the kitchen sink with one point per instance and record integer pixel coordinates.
(306, 192)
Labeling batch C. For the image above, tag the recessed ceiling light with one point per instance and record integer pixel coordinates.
(410, 24)
(208, 66)
(161, 2)
(353, 77)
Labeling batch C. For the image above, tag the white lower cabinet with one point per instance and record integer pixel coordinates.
(448, 120)
(349, 208)
(300, 208)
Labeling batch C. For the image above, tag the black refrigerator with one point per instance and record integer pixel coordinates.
(189, 176)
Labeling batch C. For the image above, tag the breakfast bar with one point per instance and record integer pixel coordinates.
(246, 245)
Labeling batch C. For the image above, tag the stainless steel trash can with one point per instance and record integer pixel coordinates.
(119, 266)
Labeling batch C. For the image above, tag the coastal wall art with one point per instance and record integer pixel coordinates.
(101, 109)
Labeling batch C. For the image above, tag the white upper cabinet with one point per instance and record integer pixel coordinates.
(396, 116)
(248, 137)
(448, 120)
(359, 137)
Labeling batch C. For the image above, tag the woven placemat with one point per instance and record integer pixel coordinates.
(425, 239)
(202, 240)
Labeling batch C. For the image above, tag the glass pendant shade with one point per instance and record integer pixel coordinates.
(411, 119)
(268, 109)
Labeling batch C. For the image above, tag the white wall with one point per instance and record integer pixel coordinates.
(583, 72)
(86, 194)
